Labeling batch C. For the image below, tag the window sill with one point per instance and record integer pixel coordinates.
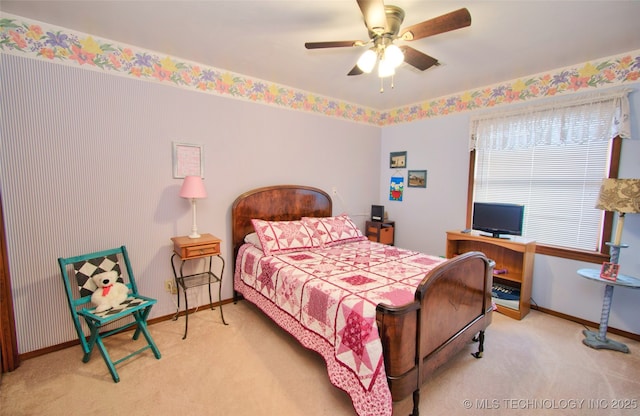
(573, 254)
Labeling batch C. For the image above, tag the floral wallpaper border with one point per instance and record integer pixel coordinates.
(21, 36)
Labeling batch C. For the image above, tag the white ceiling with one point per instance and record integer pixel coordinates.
(265, 39)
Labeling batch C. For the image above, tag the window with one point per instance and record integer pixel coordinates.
(551, 159)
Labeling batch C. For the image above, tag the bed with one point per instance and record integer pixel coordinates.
(382, 317)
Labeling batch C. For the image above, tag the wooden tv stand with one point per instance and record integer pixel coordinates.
(515, 254)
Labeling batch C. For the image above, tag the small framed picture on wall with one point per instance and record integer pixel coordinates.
(398, 160)
(417, 178)
(188, 160)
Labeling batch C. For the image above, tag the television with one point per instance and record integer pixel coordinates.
(497, 218)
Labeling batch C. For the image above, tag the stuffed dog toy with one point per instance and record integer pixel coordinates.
(110, 293)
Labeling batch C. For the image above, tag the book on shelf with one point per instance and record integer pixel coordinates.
(609, 271)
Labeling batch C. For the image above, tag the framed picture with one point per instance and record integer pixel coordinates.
(417, 179)
(609, 271)
(188, 160)
(398, 160)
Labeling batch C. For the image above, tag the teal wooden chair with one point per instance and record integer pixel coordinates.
(77, 274)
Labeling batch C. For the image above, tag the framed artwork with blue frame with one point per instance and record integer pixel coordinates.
(417, 179)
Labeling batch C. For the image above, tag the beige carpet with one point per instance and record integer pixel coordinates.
(537, 366)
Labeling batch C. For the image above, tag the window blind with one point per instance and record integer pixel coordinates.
(557, 185)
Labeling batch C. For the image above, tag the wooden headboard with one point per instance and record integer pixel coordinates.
(276, 203)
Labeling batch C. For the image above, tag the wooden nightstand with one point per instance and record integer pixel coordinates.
(206, 246)
(381, 231)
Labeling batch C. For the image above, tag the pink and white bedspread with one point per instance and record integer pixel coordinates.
(326, 298)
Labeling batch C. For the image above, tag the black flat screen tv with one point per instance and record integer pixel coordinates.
(497, 219)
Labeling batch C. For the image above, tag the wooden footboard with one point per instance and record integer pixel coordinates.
(452, 304)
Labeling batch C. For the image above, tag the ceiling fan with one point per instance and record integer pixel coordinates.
(383, 23)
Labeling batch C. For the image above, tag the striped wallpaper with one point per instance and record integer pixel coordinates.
(79, 174)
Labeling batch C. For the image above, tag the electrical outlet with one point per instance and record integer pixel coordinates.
(170, 286)
(334, 191)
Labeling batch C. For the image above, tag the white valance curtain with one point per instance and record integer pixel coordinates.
(591, 117)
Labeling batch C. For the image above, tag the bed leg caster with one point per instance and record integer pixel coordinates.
(480, 339)
(416, 402)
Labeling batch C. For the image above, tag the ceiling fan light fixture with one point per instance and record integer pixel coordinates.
(367, 61)
(393, 55)
(383, 23)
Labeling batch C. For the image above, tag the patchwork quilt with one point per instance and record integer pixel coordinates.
(326, 297)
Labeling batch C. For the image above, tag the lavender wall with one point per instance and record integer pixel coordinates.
(441, 146)
(86, 164)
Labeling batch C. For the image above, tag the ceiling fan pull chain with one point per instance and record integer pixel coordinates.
(381, 85)
(392, 79)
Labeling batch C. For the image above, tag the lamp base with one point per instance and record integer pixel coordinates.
(194, 227)
(593, 340)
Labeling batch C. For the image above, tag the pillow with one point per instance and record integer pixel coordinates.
(252, 238)
(333, 230)
(278, 237)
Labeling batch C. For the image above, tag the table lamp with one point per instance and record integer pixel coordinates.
(621, 196)
(193, 188)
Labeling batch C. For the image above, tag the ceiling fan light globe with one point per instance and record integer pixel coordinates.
(385, 69)
(393, 55)
(367, 61)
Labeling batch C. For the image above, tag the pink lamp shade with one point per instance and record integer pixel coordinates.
(193, 187)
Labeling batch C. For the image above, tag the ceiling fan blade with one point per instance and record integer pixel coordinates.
(417, 59)
(336, 44)
(355, 71)
(374, 15)
(445, 23)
